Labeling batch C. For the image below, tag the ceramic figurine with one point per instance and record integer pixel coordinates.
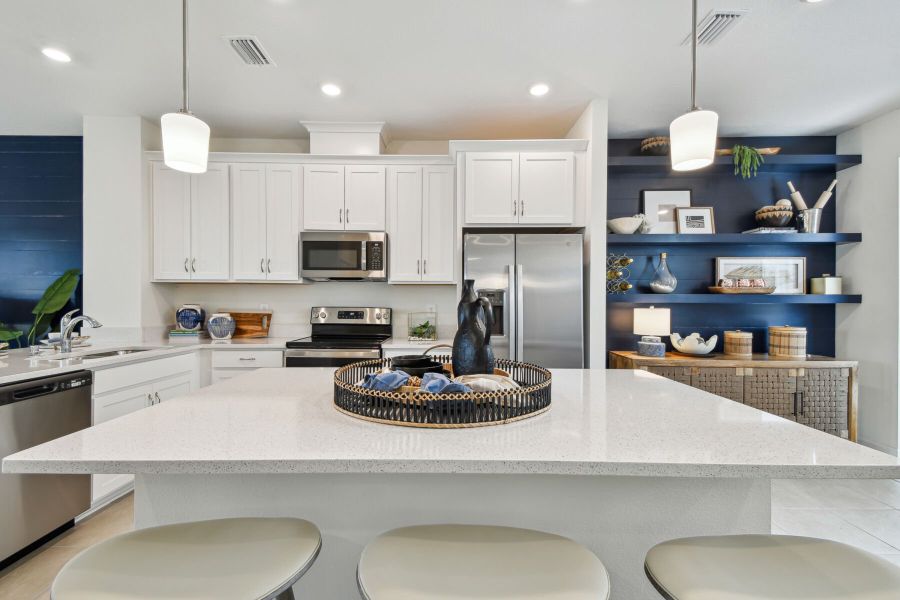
(472, 351)
(693, 344)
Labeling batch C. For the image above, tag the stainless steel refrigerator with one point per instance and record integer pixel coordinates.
(534, 283)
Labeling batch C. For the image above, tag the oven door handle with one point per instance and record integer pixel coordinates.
(333, 353)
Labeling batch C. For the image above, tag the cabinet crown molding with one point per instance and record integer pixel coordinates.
(314, 159)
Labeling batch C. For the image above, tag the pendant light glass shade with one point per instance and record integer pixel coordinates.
(693, 140)
(185, 140)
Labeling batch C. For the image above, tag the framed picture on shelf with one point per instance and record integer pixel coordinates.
(659, 208)
(787, 274)
(696, 219)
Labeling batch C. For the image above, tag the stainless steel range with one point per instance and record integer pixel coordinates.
(340, 335)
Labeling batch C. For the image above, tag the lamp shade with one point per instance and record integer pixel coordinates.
(652, 321)
(693, 140)
(185, 140)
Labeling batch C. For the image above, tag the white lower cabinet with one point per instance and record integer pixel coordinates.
(231, 363)
(119, 391)
(421, 231)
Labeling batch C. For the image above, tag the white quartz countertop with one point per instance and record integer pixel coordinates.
(601, 423)
(19, 365)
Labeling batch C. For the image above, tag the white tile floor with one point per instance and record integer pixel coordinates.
(863, 513)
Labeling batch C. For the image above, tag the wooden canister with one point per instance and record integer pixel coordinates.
(739, 343)
(787, 342)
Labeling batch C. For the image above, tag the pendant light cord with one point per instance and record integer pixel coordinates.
(184, 58)
(693, 55)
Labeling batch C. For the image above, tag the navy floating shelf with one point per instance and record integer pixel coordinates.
(650, 239)
(778, 162)
(735, 298)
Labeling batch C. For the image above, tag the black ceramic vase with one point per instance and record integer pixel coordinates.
(472, 352)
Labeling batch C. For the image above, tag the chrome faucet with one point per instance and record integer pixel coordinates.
(67, 326)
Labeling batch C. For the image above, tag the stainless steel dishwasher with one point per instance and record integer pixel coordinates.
(34, 508)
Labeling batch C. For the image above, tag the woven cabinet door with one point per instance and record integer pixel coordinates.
(679, 374)
(725, 382)
(822, 396)
(771, 390)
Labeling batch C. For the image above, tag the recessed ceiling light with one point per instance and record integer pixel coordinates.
(330, 89)
(57, 55)
(539, 89)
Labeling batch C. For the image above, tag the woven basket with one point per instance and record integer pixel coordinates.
(413, 408)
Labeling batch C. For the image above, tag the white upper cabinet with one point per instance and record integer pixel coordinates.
(190, 224)
(266, 218)
(209, 224)
(405, 230)
(529, 188)
(248, 216)
(343, 197)
(421, 231)
(323, 197)
(492, 187)
(546, 187)
(283, 185)
(438, 230)
(364, 198)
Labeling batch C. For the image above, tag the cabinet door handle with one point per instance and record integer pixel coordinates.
(347, 211)
(424, 266)
(522, 208)
(340, 215)
(515, 208)
(418, 267)
(247, 358)
(194, 265)
(800, 403)
(149, 400)
(158, 399)
(262, 263)
(269, 266)
(186, 270)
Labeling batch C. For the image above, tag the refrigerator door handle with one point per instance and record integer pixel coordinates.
(510, 325)
(520, 316)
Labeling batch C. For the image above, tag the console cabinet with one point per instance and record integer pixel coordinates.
(819, 392)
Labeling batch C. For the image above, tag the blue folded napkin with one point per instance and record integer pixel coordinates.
(385, 382)
(438, 383)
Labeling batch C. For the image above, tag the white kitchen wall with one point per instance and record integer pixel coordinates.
(868, 199)
(592, 125)
(117, 289)
(291, 303)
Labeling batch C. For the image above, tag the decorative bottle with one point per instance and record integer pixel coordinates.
(663, 281)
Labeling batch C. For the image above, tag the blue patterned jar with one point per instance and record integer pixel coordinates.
(220, 326)
(190, 317)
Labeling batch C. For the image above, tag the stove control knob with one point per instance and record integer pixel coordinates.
(377, 316)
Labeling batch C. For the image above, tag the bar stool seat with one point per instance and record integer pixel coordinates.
(453, 562)
(223, 559)
(768, 567)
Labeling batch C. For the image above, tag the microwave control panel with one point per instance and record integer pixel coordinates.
(375, 256)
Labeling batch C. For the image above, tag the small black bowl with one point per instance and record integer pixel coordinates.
(416, 364)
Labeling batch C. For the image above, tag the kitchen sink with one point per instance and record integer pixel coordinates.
(111, 353)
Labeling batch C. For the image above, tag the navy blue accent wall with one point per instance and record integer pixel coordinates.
(40, 219)
(734, 200)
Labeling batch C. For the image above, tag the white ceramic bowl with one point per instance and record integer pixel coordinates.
(693, 344)
(625, 225)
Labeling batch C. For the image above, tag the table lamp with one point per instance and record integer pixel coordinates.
(651, 323)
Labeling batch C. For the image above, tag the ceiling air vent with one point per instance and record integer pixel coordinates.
(716, 24)
(250, 50)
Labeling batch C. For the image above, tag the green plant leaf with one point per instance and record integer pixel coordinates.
(8, 334)
(57, 294)
(40, 327)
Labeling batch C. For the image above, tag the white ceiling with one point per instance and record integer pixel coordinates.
(450, 69)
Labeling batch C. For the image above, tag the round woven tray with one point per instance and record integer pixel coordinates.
(412, 408)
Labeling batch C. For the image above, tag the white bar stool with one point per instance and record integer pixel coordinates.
(223, 559)
(768, 567)
(453, 562)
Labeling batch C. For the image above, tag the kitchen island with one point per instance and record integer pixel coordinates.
(623, 460)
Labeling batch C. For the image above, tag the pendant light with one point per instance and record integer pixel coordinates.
(693, 134)
(185, 138)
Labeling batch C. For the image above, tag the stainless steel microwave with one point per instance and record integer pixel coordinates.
(343, 256)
